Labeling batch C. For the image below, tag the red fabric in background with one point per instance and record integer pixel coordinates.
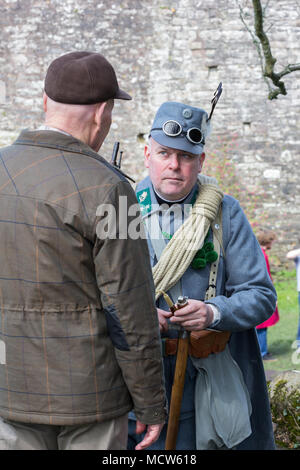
(275, 316)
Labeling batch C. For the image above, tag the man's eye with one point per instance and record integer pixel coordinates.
(186, 156)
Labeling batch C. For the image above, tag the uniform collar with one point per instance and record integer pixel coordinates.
(148, 200)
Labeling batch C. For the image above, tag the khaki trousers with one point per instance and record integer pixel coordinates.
(108, 435)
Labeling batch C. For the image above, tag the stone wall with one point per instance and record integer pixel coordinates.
(169, 50)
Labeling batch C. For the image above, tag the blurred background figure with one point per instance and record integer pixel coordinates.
(266, 239)
(295, 256)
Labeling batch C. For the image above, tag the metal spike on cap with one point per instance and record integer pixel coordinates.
(215, 99)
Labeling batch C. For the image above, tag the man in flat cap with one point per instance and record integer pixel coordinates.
(203, 252)
(79, 339)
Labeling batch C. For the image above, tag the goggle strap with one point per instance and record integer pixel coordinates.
(195, 143)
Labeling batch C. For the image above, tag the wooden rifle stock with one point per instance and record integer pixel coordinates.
(177, 390)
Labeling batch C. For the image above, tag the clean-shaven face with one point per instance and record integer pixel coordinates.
(173, 172)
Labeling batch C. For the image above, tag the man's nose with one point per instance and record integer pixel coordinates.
(174, 162)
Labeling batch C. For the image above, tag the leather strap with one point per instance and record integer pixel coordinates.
(202, 343)
(169, 346)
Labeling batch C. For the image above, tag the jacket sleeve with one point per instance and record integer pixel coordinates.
(250, 297)
(126, 286)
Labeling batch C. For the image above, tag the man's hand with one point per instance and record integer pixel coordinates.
(151, 436)
(162, 319)
(195, 316)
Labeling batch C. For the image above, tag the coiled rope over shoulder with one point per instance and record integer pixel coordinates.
(189, 238)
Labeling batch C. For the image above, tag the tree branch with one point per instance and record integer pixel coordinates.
(256, 44)
(265, 54)
(289, 69)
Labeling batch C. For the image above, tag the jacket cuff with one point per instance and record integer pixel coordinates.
(217, 315)
(153, 415)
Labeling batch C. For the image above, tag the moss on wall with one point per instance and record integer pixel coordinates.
(285, 406)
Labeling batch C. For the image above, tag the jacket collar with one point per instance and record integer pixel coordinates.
(63, 142)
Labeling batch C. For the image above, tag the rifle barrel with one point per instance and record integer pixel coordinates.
(114, 160)
(115, 153)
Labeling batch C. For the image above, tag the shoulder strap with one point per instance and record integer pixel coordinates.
(218, 244)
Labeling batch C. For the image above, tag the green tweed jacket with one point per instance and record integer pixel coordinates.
(79, 336)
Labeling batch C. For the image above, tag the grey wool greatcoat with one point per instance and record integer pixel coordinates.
(79, 332)
(245, 297)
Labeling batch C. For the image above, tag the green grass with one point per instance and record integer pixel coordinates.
(282, 336)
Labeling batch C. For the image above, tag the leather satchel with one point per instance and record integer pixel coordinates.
(205, 342)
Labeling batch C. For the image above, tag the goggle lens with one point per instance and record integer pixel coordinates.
(195, 135)
(172, 128)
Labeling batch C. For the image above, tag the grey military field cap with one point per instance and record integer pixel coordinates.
(188, 117)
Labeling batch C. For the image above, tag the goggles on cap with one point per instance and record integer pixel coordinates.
(172, 128)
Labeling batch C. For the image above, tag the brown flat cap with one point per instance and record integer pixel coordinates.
(82, 78)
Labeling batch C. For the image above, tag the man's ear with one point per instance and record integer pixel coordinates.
(201, 161)
(98, 112)
(146, 155)
(45, 98)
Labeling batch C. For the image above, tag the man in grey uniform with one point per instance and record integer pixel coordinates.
(202, 246)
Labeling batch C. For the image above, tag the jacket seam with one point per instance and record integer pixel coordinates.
(113, 187)
(54, 204)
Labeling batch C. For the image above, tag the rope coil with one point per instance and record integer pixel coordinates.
(189, 238)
